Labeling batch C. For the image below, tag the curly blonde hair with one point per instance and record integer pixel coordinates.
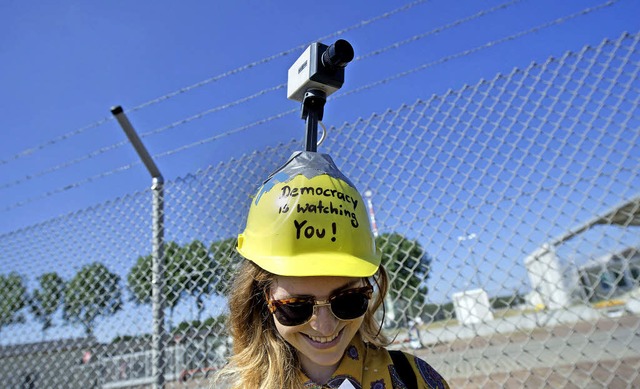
(261, 357)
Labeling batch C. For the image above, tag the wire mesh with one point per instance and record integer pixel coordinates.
(508, 213)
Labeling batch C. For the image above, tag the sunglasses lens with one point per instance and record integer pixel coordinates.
(350, 306)
(293, 314)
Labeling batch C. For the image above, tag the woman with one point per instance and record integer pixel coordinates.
(302, 305)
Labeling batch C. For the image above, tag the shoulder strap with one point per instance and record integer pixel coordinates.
(404, 369)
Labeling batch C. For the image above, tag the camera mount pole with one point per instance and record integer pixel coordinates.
(315, 75)
(312, 113)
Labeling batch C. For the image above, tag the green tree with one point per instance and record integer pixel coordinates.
(194, 273)
(437, 312)
(140, 277)
(13, 297)
(93, 292)
(216, 324)
(45, 301)
(188, 270)
(408, 266)
(226, 259)
(212, 325)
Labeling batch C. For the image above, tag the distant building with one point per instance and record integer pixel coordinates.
(128, 363)
(85, 363)
(48, 364)
(606, 277)
(610, 275)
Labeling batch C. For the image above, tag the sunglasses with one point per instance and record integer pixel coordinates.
(346, 305)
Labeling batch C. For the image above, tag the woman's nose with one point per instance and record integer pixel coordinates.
(323, 320)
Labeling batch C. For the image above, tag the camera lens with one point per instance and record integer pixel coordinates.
(338, 54)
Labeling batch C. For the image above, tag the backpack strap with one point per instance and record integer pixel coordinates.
(404, 369)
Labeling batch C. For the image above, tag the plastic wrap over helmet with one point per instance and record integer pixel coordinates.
(308, 219)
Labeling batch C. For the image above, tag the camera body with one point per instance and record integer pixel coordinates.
(320, 67)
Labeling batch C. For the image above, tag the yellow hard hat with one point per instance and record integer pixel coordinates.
(308, 219)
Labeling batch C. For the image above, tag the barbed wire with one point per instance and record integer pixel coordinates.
(70, 134)
(212, 110)
(438, 29)
(251, 97)
(136, 163)
(70, 186)
(477, 48)
(53, 141)
(225, 134)
(278, 55)
(114, 146)
(356, 90)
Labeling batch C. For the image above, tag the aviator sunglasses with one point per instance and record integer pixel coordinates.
(345, 305)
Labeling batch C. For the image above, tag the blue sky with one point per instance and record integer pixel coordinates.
(175, 66)
(66, 63)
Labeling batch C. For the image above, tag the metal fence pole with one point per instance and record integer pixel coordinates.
(157, 299)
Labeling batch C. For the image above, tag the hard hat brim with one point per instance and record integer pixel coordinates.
(317, 264)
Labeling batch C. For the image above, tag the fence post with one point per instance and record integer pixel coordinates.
(157, 299)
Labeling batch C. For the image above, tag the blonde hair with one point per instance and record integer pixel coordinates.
(261, 357)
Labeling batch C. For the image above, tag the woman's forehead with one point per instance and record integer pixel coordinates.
(321, 286)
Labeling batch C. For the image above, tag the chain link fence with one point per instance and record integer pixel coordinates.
(508, 213)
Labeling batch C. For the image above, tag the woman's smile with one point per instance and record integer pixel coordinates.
(323, 342)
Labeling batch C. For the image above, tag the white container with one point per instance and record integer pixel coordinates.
(472, 306)
(546, 276)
